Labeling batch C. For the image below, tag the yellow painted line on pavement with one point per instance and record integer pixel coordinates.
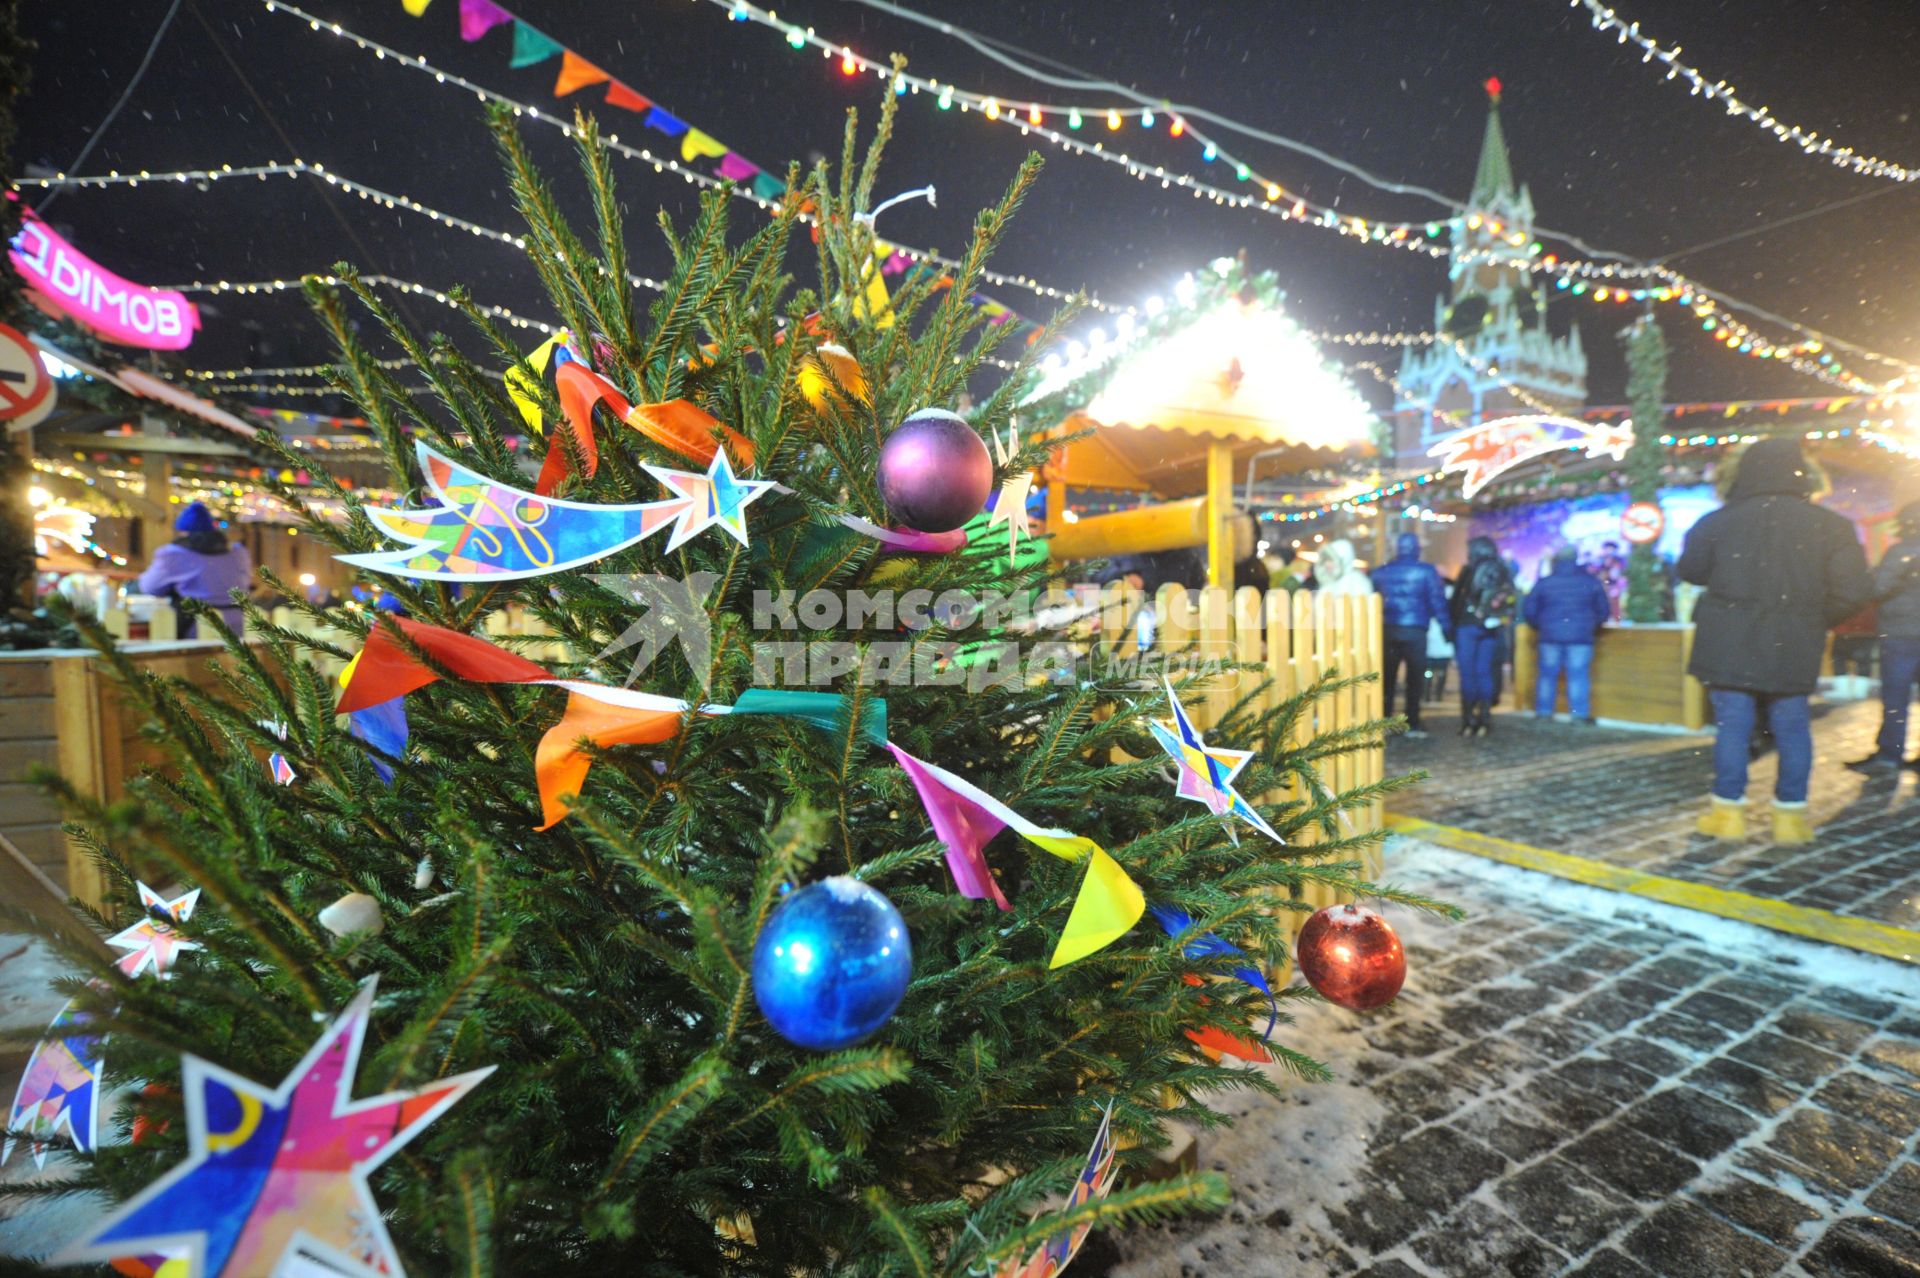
(1781, 916)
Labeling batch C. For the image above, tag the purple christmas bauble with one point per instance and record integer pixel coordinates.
(934, 472)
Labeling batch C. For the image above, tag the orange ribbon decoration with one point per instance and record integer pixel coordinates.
(676, 424)
(559, 764)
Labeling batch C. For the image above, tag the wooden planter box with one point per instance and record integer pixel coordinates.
(59, 709)
(1639, 675)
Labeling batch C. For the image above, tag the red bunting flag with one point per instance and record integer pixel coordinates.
(577, 73)
(385, 669)
(620, 95)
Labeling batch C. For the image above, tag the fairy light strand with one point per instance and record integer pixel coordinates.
(206, 178)
(661, 163)
(1606, 19)
(1275, 198)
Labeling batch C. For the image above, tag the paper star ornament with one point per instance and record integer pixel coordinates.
(152, 943)
(713, 500)
(1207, 772)
(275, 1173)
(1010, 507)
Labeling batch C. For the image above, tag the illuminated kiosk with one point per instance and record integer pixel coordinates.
(1177, 414)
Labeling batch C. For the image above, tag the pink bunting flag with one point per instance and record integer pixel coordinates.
(477, 17)
(737, 168)
(964, 826)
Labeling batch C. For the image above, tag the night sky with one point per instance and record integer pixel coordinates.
(1611, 152)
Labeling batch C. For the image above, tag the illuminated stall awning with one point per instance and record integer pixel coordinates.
(1241, 375)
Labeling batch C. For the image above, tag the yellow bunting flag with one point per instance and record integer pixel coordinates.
(697, 144)
(415, 7)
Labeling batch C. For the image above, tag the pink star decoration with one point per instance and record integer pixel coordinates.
(152, 942)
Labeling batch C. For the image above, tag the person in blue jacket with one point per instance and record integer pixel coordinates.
(1411, 595)
(1566, 609)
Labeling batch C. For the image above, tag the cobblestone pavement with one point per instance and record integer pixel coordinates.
(1630, 798)
(1578, 1082)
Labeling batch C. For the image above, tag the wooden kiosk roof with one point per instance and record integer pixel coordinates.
(1242, 376)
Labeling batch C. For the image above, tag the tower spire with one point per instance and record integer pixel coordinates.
(1494, 177)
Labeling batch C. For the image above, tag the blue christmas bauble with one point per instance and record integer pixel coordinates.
(831, 964)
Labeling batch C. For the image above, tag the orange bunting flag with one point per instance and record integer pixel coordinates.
(561, 766)
(678, 424)
(697, 144)
(620, 95)
(577, 73)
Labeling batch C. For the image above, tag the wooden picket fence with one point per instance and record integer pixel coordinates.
(1293, 639)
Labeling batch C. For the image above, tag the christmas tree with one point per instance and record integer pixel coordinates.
(574, 888)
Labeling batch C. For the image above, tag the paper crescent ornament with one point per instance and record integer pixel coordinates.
(272, 1172)
(59, 1091)
(484, 530)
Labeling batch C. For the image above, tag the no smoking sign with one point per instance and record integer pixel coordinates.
(1642, 523)
(26, 391)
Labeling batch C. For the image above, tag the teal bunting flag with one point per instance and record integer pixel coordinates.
(531, 46)
(823, 710)
(768, 187)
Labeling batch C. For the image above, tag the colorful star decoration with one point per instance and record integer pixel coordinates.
(715, 499)
(1207, 772)
(1010, 507)
(275, 1173)
(152, 942)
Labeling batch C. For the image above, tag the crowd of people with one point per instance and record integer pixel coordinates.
(1775, 571)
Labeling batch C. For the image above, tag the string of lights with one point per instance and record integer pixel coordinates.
(1565, 270)
(204, 179)
(1375, 339)
(1606, 19)
(1662, 283)
(1732, 334)
(246, 287)
(291, 370)
(661, 163)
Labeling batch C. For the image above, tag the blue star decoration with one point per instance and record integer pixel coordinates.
(271, 1173)
(714, 500)
(1207, 772)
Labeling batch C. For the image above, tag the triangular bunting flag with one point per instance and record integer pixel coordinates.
(737, 168)
(531, 46)
(415, 7)
(620, 95)
(666, 121)
(697, 144)
(576, 73)
(477, 17)
(768, 187)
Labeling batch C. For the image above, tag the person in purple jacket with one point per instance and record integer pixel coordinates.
(200, 564)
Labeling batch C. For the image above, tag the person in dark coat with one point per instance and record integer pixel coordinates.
(1483, 600)
(1896, 585)
(1778, 571)
(1566, 609)
(1412, 596)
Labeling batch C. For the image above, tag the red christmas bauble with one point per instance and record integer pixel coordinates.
(1351, 955)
